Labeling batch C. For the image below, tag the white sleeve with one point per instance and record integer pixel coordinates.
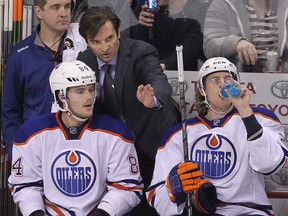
(125, 186)
(218, 40)
(166, 158)
(78, 43)
(271, 146)
(25, 179)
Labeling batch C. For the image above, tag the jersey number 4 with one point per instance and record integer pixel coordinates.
(17, 167)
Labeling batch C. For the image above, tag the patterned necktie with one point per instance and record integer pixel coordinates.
(109, 93)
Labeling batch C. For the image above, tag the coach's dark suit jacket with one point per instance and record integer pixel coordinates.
(138, 63)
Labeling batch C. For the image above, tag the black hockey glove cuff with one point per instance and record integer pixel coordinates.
(204, 199)
(37, 213)
(98, 212)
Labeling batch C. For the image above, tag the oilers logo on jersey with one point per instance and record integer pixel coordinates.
(73, 173)
(215, 155)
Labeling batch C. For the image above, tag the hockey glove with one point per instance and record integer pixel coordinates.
(204, 199)
(37, 213)
(98, 212)
(183, 178)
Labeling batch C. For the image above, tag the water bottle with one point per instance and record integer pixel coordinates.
(152, 6)
(272, 61)
(233, 88)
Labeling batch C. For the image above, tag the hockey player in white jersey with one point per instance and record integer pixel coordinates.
(70, 163)
(231, 147)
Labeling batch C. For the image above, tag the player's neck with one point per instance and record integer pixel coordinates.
(215, 114)
(212, 116)
(69, 121)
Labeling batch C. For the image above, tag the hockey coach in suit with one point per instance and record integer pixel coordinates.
(143, 94)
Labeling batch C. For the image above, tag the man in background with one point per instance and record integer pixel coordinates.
(166, 27)
(250, 33)
(26, 91)
(140, 90)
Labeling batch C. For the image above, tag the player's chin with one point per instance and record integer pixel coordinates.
(87, 112)
(224, 100)
(223, 103)
(86, 115)
(225, 107)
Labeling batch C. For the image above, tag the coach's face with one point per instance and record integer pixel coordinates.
(105, 44)
(55, 16)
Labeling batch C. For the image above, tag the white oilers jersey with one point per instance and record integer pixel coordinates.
(74, 43)
(70, 173)
(220, 148)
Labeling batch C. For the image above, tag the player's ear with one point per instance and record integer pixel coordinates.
(201, 91)
(60, 97)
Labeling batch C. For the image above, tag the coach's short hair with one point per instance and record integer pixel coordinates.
(94, 18)
(41, 3)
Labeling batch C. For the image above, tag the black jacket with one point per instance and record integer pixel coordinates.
(168, 32)
(137, 64)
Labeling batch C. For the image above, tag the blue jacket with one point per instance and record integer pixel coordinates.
(26, 89)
